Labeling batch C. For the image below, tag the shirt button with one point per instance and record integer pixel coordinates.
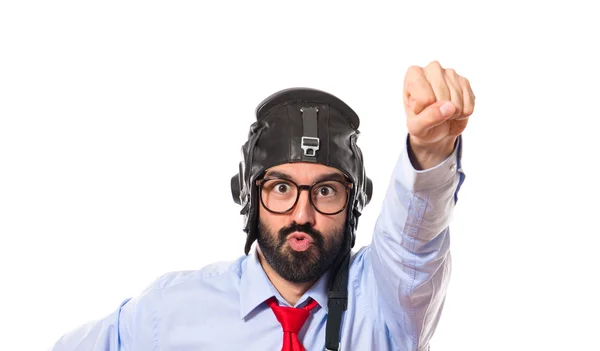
(453, 168)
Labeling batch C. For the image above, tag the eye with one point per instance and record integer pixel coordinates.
(282, 187)
(326, 191)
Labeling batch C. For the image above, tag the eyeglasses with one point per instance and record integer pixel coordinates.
(279, 196)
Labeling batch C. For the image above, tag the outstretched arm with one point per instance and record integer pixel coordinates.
(410, 254)
(98, 335)
(130, 327)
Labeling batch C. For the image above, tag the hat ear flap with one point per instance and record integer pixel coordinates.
(237, 184)
(369, 190)
(235, 188)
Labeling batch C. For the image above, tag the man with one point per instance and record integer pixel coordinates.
(302, 187)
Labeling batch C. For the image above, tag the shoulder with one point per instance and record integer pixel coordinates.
(217, 271)
(357, 258)
(360, 266)
(175, 292)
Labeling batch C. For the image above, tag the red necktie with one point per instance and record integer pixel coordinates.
(292, 320)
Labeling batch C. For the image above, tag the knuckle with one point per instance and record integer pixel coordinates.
(435, 63)
(425, 100)
(434, 68)
(468, 110)
(457, 91)
(464, 81)
(458, 102)
(413, 71)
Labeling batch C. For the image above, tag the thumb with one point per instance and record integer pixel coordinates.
(434, 115)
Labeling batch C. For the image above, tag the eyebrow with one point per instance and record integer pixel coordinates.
(328, 176)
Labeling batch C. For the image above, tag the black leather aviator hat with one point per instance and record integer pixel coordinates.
(300, 125)
(306, 125)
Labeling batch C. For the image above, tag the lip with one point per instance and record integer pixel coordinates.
(299, 241)
(300, 236)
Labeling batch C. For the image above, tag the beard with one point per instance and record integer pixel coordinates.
(299, 266)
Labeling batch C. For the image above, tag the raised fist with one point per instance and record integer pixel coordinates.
(438, 103)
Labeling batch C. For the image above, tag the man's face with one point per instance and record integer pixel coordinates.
(301, 244)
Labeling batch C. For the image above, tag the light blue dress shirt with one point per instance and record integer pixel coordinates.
(397, 286)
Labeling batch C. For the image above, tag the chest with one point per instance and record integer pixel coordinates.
(220, 327)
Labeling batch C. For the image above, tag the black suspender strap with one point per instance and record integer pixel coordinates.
(337, 303)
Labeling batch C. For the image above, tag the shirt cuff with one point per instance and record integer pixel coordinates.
(419, 180)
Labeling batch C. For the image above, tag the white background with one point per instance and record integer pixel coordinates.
(121, 124)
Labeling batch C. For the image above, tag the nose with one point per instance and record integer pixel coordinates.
(304, 212)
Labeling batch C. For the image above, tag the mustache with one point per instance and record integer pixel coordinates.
(303, 228)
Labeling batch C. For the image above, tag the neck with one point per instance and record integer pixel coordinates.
(291, 292)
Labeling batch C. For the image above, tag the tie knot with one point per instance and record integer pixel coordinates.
(291, 319)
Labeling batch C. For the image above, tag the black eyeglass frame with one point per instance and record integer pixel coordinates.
(347, 186)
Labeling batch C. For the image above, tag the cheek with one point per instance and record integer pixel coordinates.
(331, 225)
(273, 222)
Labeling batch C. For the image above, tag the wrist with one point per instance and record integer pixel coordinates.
(428, 155)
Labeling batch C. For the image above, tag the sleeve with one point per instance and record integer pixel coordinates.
(128, 328)
(410, 252)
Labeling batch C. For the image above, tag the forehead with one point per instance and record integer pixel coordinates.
(304, 170)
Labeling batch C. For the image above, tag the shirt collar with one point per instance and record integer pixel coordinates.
(256, 288)
(318, 292)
